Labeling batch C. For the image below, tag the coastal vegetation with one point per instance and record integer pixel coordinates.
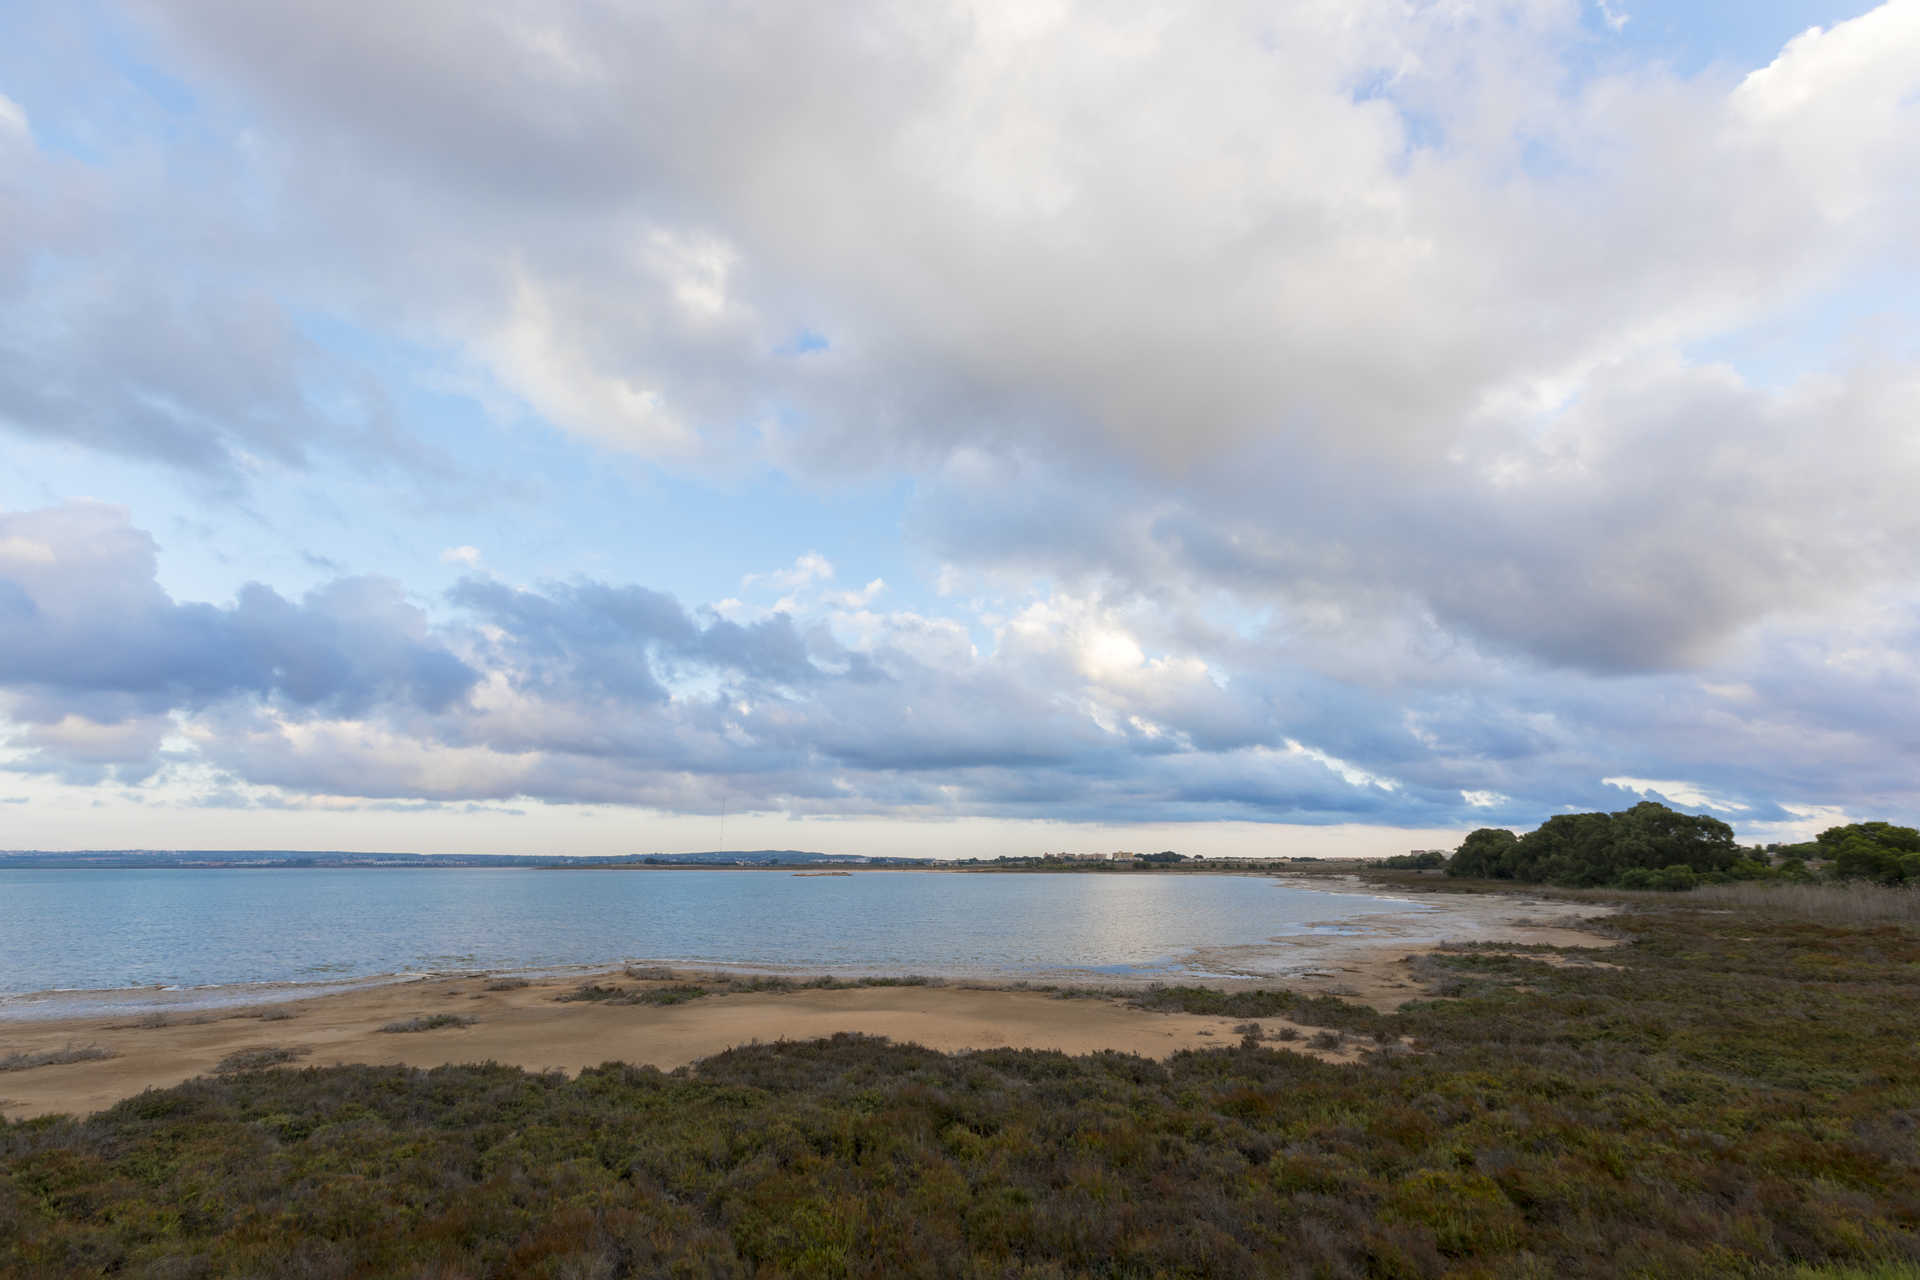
(258, 1057)
(1653, 847)
(722, 984)
(1646, 847)
(427, 1022)
(54, 1057)
(1729, 1092)
(1876, 851)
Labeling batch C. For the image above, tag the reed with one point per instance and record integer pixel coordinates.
(1847, 902)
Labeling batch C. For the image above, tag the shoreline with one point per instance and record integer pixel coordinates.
(515, 1019)
(1286, 956)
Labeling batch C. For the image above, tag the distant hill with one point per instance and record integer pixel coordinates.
(270, 858)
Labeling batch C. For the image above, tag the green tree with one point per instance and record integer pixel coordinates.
(1872, 851)
(1486, 853)
(1589, 849)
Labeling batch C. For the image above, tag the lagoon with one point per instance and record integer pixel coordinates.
(206, 928)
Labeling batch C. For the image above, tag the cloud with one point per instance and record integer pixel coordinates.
(807, 569)
(1086, 707)
(1689, 794)
(1127, 254)
(13, 119)
(858, 599)
(1296, 400)
(86, 629)
(1429, 353)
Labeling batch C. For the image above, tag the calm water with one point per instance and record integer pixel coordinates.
(97, 930)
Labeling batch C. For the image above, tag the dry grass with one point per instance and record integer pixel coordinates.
(431, 1022)
(507, 984)
(145, 1022)
(266, 1055)
(54, 1057)
(1845, 903)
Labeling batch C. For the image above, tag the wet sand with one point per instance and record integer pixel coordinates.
(1368, 959)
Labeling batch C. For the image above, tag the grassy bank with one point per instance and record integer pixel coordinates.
(1738, 1097)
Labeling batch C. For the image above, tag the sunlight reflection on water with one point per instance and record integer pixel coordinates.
(115, 929)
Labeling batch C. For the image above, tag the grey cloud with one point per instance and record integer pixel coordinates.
(1411, 416)
(1662, 515)
(587, 692)
(155, 317)
(591, 635)
(86, 628)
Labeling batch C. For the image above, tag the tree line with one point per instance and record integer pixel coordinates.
(1651, 846)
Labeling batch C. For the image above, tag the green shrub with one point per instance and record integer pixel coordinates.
(1590, 850)
(1736, 1098)
(254, 1059)
(1876, 851)
(1671, 879)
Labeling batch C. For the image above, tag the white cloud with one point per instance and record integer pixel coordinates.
(1351, 774)
(25, 550)
(858, 599)
(807, 569)
(13, 118)
(1686, 794)
(466, 555)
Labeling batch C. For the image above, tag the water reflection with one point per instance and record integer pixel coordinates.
(120, 928)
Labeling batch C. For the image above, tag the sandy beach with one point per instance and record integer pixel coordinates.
(527, 1026)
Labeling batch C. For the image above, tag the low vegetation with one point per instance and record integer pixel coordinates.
(1843, 902)
(427, 1022)
(1653, 847)
(1877, 851)
(253, 1059)
(53, 1057)
(1736, 1098)
(672, 992)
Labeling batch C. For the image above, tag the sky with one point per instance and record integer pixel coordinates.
(954, 428)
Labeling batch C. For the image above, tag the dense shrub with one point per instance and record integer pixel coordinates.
(1737, 1098)
(1671, 878)
(1876, 851)
(1592, 849)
